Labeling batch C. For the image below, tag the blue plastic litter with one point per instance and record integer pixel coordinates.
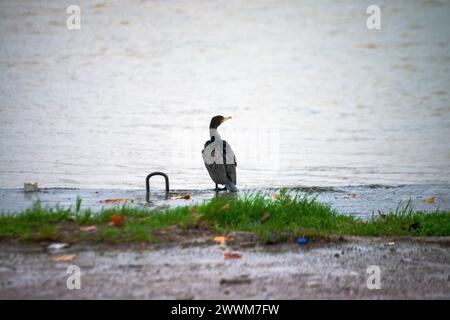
(302, 240)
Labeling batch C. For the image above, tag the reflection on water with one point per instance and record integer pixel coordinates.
(316, 98)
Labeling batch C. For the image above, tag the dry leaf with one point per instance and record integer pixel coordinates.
(229, 256)
(115, 201)
(225, 207)
(89, 229)
(69, 257)
(117, 220)
(275, 195)
(222, 240)
(430, 199)
(184, 197)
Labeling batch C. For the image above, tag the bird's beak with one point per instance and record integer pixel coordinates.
(226, 118)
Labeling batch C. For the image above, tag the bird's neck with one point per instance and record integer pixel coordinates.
(214, 133)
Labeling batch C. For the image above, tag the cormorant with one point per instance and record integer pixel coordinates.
(219, 157)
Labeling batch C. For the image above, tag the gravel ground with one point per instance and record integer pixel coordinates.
(197, 269)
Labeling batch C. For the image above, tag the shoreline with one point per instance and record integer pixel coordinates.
(270, 218)
(224, 249)
(359, 201)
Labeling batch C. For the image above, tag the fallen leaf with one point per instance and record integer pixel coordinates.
(117, 220)
(184, 197)
(430, 199)
(230, 255)
(225, 207)
(115, 201)
(275, 195)
(69, 257)
(264, 217)
(89, 229)
(222, 240)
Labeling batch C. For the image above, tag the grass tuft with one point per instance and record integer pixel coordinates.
(274, 219)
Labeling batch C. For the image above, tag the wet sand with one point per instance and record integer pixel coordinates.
(195, 269)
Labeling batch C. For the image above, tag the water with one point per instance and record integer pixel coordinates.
(316, 98)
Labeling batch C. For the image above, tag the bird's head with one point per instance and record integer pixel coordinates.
(217, 121)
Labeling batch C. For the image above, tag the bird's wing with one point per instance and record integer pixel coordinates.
(217, 173)
(208, 143)
(230, 157)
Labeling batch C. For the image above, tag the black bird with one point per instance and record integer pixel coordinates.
(219, 157)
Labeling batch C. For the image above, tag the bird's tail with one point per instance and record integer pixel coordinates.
(231, 187)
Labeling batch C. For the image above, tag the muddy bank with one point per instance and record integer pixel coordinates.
(360, 201)
(197, 269)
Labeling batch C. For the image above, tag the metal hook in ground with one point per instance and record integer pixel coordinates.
(147, 183)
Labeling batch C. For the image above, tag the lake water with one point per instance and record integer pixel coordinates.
(316, 98)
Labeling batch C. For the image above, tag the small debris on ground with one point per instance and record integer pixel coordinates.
(349, 196)
(234, 281)
(89, 229)
(116, 201)
(231, 255)
(181, 197)
(57, 246)
(302, 241)
(225, 207)
(222, 240)
(430, 200)
(390, 244)
(69, 257)
(30, 187)
(116, 220)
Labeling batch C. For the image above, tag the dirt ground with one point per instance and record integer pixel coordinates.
(197, 269)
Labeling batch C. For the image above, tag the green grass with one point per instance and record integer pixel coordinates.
(274, 220)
